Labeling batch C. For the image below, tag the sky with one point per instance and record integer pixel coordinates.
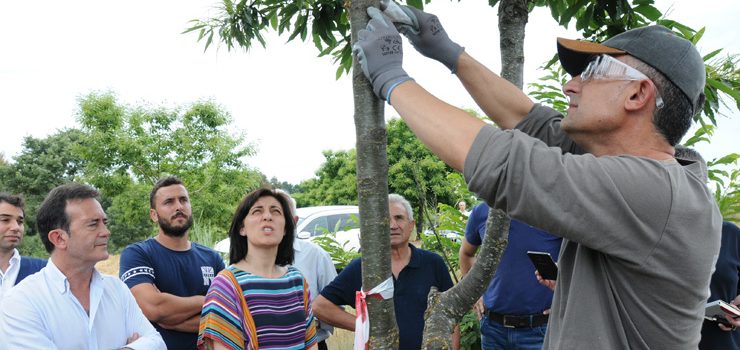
(55, 52)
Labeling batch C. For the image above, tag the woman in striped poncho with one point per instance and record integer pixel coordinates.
(259, 302)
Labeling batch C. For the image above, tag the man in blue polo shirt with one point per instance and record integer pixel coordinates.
(512, 308)
(414, 270)
(13, 267)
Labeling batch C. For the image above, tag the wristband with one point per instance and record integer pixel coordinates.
(390, 89)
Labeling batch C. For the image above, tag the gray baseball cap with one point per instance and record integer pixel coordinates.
(675, 57)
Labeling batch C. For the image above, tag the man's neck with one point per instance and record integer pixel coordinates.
(79, 277)
(639, 142)
(5, 256)
(400, 257)
(181, 243)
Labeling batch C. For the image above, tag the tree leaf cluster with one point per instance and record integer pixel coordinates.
(413, 172)
(601, 19)
(42, 164)
(242, 22)
(123, 151)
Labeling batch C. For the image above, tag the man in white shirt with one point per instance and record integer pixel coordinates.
(69, 304)
(317, 268)
(13, 266)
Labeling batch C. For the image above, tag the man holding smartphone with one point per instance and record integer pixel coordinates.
(514, 308)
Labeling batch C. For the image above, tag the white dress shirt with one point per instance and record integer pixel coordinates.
(7, 278)
(317, 268)
(42, 313)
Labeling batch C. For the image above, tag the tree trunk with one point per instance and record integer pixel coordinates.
(445, 310)
(512, 20)
(372, 193)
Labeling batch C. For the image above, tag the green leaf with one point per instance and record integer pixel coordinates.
(728, 159)
(571, 11)
(416, 3)
(229, 7)
(701, 135)
(710, 55)
(210, 40)
(648, 11)
(735, 94)
(196, 26)
(696, 37)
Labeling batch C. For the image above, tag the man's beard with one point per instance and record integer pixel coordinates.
(174, 231)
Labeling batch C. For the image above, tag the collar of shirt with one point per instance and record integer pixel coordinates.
(415, 260)
(7, 278)
(15, 262)
(60, 282)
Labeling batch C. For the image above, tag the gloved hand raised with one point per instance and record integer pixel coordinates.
(425, 32)
(379, 51)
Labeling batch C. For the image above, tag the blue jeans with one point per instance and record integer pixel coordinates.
(495, 336)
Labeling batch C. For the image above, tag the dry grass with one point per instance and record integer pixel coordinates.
(340, 340)
(110, 266)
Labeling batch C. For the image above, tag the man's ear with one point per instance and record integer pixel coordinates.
(642, 94)
(58, 238)
(153, 215)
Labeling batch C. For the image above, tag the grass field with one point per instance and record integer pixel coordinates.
(340, 340)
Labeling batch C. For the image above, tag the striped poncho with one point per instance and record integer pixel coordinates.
(281, 318)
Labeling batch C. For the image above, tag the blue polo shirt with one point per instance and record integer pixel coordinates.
(410, 290)
(514, 289)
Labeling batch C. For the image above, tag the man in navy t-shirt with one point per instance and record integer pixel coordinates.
(414, 270)
(511, 309)
(169, 275)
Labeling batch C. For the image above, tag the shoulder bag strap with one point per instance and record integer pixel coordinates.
(251, 328)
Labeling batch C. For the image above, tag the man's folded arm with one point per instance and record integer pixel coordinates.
(167, 309)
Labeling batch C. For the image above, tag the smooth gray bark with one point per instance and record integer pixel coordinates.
(372, 193)
(445, 310)
(512, 20)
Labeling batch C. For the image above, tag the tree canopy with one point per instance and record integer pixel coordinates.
(124, 150)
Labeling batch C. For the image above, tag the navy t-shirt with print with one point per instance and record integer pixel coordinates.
(180, 273)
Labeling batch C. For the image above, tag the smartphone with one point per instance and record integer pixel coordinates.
(544, 264)
(715, 311)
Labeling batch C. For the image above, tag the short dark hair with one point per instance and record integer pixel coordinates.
(238, 249)
(674, 119)
(52, 212)
(14, 200)
(163, 182)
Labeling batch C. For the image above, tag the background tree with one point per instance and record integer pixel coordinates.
(413, 172)
(290, 188)
(335, 181)
(42, 164)
(128, 149)
(417, 174)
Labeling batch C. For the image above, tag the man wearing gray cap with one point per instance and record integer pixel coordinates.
(640, 230)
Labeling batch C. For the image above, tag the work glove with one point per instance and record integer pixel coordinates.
(425, 33)
(379, 50)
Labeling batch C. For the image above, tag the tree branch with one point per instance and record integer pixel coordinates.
(445, 310)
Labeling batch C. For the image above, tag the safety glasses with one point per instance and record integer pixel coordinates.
(605, 67)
